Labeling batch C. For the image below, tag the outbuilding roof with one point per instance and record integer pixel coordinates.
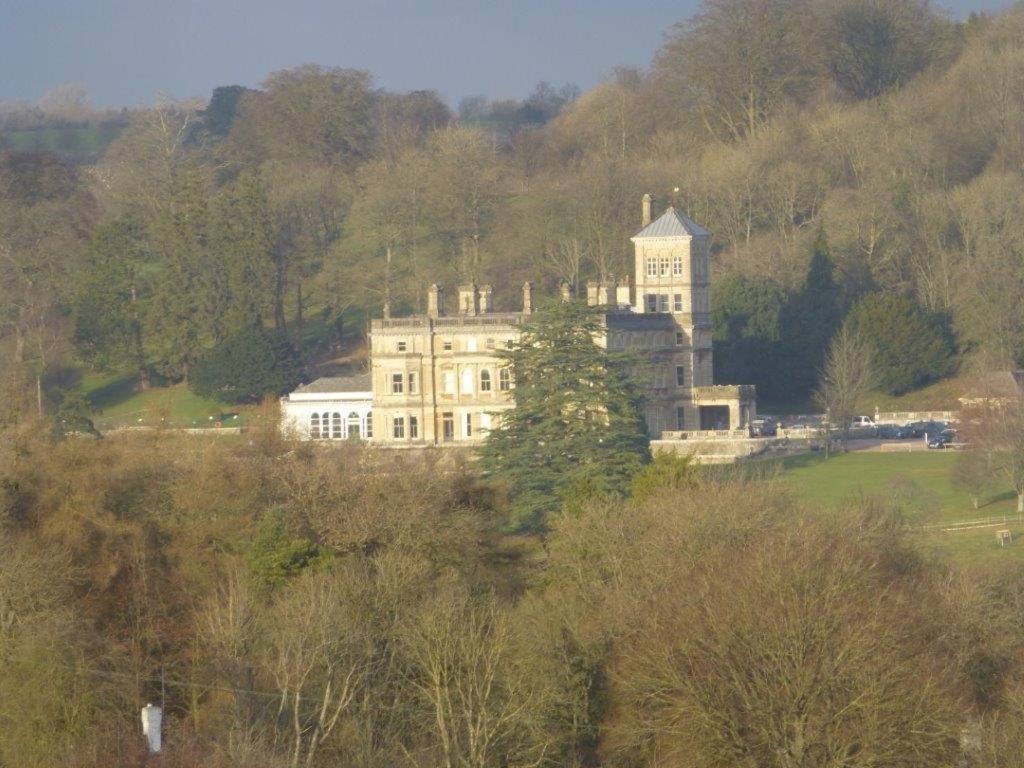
(325, 384)
(672, 223)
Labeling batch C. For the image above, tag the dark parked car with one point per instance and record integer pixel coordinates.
(915, 429)
(942, 440)
(892, 432)
(763, 428)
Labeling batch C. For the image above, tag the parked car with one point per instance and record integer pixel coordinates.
(862, 421)
(942, 440)
(765, 427)
(892, 432)
(915, 429)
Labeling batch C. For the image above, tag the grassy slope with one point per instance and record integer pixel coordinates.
(921, 484)
(118, 404)
(941, 396)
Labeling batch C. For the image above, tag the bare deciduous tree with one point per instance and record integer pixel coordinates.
(802, 651)
(848, 376)
(478, 700)
(993, 427)
(319, 654)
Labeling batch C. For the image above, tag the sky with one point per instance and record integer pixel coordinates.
(126, 52)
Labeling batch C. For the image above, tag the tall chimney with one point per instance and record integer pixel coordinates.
(565, 290)
(435, 301)
(527, 298)
(645, 210)
(592, 294)
(486, 294)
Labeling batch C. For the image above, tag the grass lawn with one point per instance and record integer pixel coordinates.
(920, 483)
(117, 404)
(941, 396)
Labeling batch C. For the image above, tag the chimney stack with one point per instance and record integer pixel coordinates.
(486, 294)
(467, 300)
(593, 291)
(435, 301)
(565, 290)
(645, 210)
(527, 299)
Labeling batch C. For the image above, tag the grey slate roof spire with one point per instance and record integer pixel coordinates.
(672, 223)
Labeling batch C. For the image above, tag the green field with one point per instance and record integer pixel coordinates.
(116, 403)
(920, 484)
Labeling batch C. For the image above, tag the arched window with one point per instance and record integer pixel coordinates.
(504, 379)
(314, 426)
(353, 426)
(485, 381)
(336, 426)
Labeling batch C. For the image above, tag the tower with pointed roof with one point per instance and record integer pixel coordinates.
(671, 268)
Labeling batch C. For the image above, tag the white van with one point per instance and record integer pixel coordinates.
(862, 421)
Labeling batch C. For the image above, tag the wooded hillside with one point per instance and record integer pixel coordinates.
(884, 131)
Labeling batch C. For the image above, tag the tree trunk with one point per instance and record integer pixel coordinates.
(387, 283)
(39, 393)
(298, 316)
(279, 288)
(1020, 503)
(19, 346)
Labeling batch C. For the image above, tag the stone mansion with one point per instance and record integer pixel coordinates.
(437, 379)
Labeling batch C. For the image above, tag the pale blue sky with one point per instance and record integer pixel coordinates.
(126, 51)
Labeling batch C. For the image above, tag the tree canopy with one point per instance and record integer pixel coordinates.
(577, 425)
(909, 346)
(248, 365)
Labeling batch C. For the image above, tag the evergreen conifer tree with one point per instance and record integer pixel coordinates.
(247, 366)
(110, 302)
(577, 423)
(911, 346)
(815, 314)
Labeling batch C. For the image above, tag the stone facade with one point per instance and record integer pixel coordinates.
(438, 380)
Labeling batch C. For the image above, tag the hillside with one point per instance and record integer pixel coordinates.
(317, 197)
